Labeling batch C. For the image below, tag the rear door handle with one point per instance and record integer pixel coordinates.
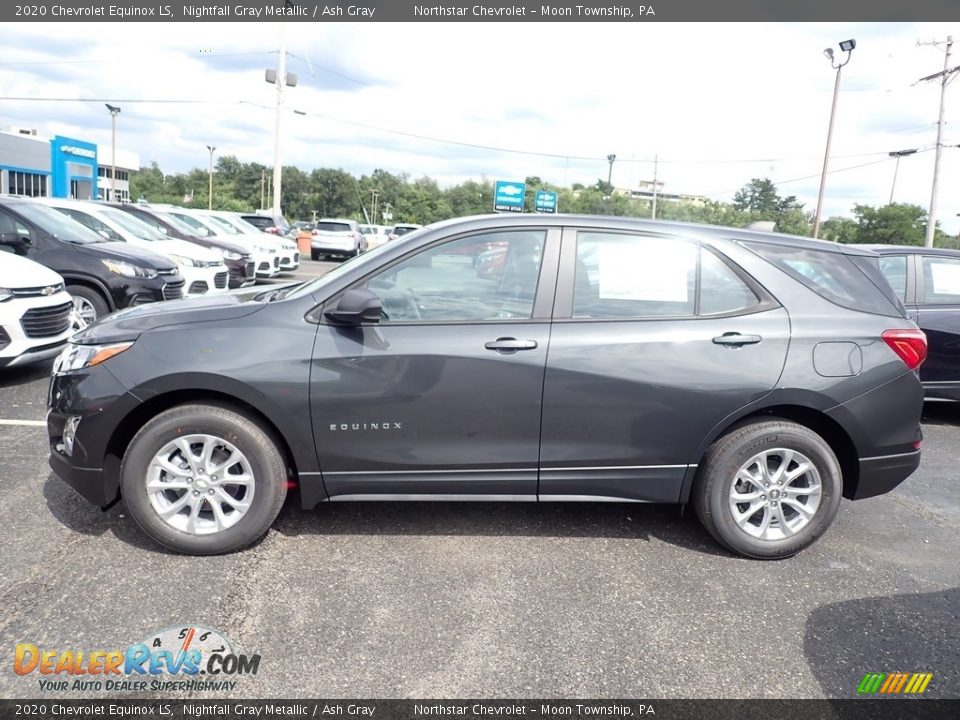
(734, 339)
(510, 345)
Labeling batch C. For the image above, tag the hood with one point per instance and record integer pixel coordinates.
(19, 272)
(188, 250)
(129, 253)
(128, 324)
(219, 244)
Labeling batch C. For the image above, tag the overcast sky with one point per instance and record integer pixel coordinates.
(718, 103)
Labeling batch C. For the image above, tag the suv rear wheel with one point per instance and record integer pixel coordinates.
(203, 480)
(769, 489)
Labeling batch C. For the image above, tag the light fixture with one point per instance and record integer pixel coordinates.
(829, 53)
(848, 45)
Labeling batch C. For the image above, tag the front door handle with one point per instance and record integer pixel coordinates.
(510, 345)
(735, 339)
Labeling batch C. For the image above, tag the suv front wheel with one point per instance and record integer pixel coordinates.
(769, 489)
(203, 480)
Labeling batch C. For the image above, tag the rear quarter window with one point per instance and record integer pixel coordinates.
(850, 281)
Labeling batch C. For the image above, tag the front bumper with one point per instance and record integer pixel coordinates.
(205, 281)
(242, 272)
(289, 259)
(34, 329)
(268, 264)
(99, 399)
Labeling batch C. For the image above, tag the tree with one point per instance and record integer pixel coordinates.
(896, 224)
(840, 229)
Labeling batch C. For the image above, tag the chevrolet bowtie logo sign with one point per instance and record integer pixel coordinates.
(49, 290)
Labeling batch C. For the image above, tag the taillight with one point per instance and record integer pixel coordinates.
(909, 345)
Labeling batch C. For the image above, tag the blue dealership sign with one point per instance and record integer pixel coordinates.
(545, 201)
(508, 196)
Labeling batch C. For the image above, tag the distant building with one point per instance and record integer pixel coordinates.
(644, 191)
(62, 167)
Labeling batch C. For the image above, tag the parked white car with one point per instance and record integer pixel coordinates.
(337, 237)
(264, 252)
(203, 270)
(376, 235)
(36, 313)
(286, 246)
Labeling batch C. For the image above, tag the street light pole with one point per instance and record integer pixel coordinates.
(211, 148)
(114, 111)
(847, 46)
(897, 154)
(610, 158)
(944, 78)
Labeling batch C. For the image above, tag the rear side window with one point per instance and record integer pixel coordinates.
(844, 280)
(894, 269)
(941, 281)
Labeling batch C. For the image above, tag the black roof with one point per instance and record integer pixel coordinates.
(910, 250)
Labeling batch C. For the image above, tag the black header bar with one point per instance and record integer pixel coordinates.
(488, 11)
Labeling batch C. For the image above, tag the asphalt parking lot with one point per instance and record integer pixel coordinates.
(492, 600)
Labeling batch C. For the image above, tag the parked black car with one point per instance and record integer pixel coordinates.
(758, 377)
(101, 276)
(236, 257)
(927, 280)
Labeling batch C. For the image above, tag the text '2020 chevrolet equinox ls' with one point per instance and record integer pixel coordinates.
(758, 377)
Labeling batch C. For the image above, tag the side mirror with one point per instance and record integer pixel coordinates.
(355, 307)
(15, 239)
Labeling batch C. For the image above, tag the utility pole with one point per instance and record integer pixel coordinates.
(375, 195)
(277, 155)
(211, 148)
(653, 207)
(263, 196)
(897, 154)
(945, 77)
(114, 111)
(610, 158)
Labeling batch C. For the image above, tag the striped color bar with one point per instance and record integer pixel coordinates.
(894, 683)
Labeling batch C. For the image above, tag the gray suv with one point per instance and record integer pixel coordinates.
(758, 377)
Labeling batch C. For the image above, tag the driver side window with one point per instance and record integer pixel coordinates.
(489, 276)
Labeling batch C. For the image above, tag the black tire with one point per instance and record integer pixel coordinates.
(314, 255)
(96, 300)
(717, 474)
(259, 449)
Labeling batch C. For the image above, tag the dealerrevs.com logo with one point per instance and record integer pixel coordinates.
(190, 658)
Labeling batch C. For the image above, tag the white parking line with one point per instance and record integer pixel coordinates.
(32, 423)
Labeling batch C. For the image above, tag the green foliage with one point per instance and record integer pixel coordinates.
(330, 192)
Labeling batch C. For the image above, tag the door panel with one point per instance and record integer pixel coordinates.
(628, 400)
(939, 317)
(442, 397)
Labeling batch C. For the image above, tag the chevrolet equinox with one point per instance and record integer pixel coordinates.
(759, 377)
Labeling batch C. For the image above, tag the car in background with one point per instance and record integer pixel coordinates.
(267, 222)
(36, 312)
(202, 269)
(100, 276)
(376, 235)
(927, 281)
(236, 257)
(611, 359)
(401, 229)
(337, 238)
(288, 252)
(264, 252)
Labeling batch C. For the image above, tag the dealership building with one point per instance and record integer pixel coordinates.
(63, 167)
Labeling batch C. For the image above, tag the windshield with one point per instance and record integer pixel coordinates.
(132, 225)
(312, 285)
(196, 227)
(223, 224)
(403, 230)
(59, 225)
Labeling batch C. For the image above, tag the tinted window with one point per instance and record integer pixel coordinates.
(832, 275)
(634, 276)
(93, 223)
(894, 269)
(941, 281)
(59, 225)
(721, 289)
(333, 227)
(398, 231)
(448, 283)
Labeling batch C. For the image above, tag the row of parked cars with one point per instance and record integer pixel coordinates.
(342, 238)
(65, 263)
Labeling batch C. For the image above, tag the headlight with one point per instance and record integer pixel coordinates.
(227, 255)
(128, 269)
(77, 357)
(5, 294)
(185, 261)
